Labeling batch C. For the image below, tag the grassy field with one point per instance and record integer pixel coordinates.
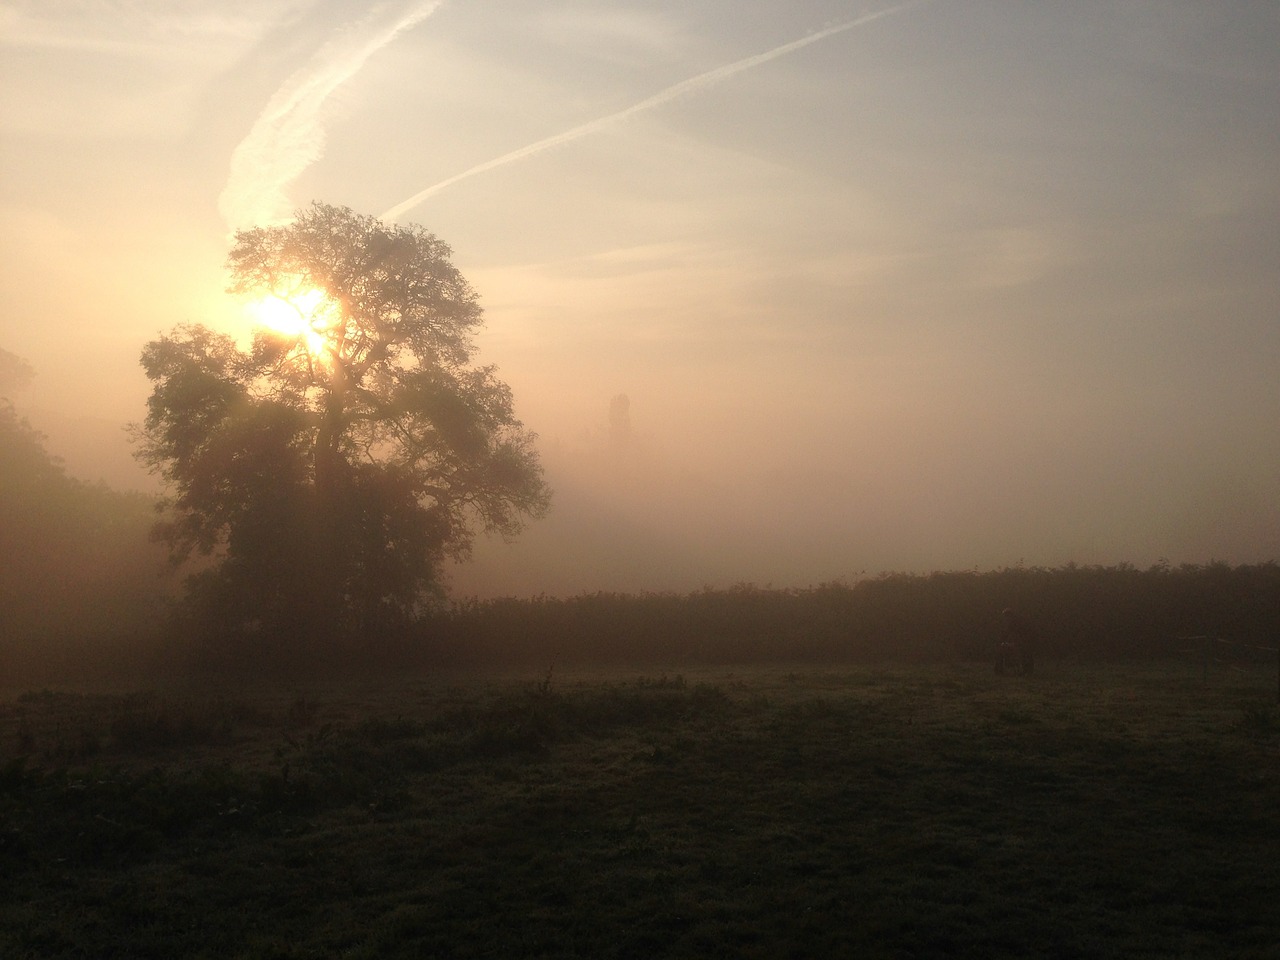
(1122, 811)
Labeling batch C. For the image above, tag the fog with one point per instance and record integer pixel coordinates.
(961, 286)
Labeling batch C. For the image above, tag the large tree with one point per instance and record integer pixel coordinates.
(330, 468)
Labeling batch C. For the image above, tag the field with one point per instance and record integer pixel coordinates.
(1126, 811)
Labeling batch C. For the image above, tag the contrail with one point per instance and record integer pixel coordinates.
(657, 100)
(288, 135)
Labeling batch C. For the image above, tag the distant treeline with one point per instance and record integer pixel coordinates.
(1087, 613)
(85, 591)
(82, 587)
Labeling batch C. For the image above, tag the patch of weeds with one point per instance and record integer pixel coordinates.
(146, 723)
(667, 752)
(807, 711)
(285, 792)
(526, 724)
(661, 683)
(110, 818)
(533, 720)
(612, 707)
(390, 729)
(707, 697)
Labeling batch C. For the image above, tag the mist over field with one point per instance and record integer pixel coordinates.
(639, 478)
(932, 286)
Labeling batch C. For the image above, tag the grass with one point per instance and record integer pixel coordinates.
(1086, 812)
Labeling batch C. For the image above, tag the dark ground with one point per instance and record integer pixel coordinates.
(1122, 811)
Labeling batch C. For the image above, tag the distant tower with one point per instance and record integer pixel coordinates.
(620, 419)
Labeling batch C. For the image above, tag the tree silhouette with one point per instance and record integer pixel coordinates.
(329, 471)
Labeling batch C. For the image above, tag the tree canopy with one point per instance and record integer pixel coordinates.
(329, 468)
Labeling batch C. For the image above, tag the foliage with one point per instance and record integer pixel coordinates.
(78, 570)
(329, 472)
(14, 372)
(1081, 613)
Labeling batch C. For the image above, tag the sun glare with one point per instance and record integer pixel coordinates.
(305, 316)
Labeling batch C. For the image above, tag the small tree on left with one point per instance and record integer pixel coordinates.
(328, 470)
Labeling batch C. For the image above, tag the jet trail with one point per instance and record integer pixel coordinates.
(288, 135)
(657, 100)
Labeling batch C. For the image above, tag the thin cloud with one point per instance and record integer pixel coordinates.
(691, 85)
(152, 31)
(288, 135)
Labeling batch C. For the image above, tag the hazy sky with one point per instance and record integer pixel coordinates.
(932, 286)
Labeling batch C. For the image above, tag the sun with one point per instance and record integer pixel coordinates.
(306, 316)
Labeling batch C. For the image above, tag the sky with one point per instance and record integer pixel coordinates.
(792, 292)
